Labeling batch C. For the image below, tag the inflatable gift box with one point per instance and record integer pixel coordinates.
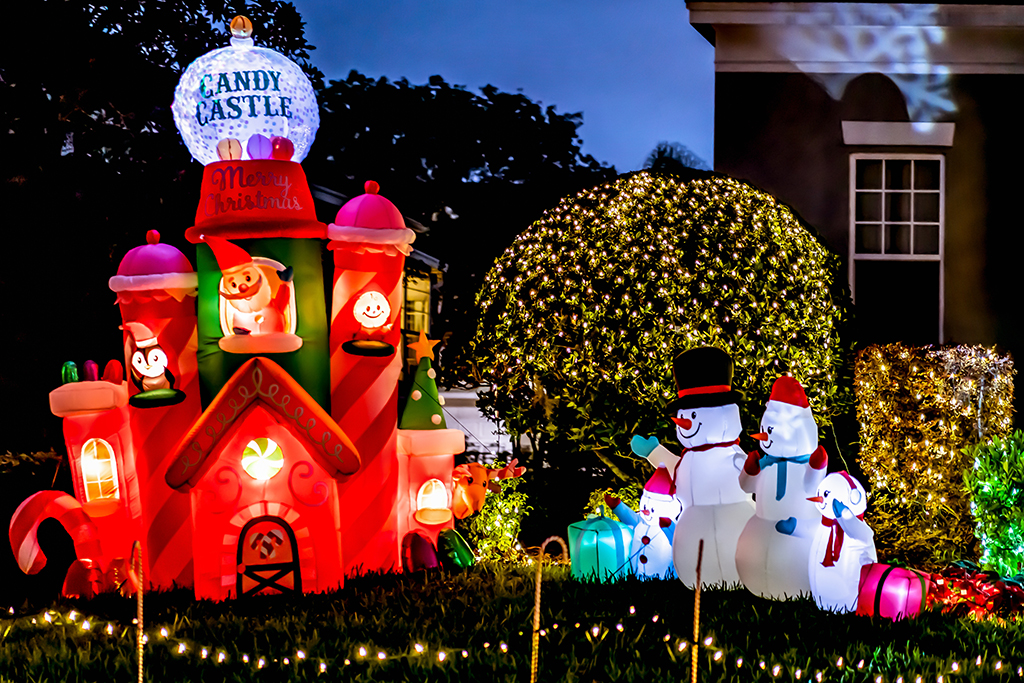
(892, 592)
(599, 549)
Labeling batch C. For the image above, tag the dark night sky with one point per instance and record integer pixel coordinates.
(635, 68)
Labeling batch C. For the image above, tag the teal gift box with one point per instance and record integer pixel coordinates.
(599, 549)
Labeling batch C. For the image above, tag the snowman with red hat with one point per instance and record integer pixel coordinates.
(246, 287)
(842, 544)
(776, 542)
(651, 552)
(706, 414)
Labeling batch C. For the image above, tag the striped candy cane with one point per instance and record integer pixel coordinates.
(51, 505)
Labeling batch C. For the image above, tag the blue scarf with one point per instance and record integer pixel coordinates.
(769, 460)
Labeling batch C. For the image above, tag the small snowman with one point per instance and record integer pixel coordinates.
(650, 555)
(842, 544)
(715, 508)
(774, 547)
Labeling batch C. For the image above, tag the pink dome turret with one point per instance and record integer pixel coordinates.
(154, 267)
(373, 223)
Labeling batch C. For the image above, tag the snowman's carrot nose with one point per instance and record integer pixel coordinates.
(816, 499)
(682, 422)
(760, 436)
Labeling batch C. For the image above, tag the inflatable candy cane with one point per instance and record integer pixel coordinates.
(51, 505)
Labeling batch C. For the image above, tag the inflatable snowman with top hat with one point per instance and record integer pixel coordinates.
(715, 509)
(651, 551)
(774, 547)
(842, 544)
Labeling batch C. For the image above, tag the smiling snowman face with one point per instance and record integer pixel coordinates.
(372, 310)
(700, 426)
(790, 430)
(654, 506)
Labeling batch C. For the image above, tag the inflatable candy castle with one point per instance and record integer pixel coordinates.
(251, 442)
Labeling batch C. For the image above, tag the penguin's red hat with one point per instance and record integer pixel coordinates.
(229, 256)
(143, 334)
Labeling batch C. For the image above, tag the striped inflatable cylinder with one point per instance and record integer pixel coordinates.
(166, 513)
(364, 402)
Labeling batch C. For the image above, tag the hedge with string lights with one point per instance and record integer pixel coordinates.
(920, 409)
(581, 317)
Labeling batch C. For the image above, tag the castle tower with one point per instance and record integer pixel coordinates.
(370, 241)
(156, 288)
(250, 114)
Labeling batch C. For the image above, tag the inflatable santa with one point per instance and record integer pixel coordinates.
(257, 297)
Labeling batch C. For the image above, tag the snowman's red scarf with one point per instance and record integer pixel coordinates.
(835, 540)
(705, 447)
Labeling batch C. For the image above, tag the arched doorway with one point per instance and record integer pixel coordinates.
(268, 558)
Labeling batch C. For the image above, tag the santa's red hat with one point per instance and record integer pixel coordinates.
(229, 256)
(661, 483)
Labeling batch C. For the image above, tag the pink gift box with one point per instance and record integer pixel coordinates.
(892, 592)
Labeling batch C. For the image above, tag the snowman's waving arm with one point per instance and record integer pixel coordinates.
(853, 526)
(656, 454)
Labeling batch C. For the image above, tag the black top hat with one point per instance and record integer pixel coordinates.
(703, 379)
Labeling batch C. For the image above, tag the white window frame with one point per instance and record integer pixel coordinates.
(940, 257)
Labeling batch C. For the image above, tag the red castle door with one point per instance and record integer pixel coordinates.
(268, 559)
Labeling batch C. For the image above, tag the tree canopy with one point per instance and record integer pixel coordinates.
(581, 317)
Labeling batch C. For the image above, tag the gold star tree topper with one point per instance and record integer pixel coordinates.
(423, 347)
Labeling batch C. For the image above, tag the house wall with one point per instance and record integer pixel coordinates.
(783, 132)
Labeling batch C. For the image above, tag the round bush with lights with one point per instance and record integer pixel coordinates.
(582, 315)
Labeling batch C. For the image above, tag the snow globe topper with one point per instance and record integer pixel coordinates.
(245, 102)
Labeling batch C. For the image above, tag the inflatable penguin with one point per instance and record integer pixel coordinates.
(842, 544)
(773, 550)
(715, 509)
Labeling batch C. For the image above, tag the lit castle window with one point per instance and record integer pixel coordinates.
(99, 470)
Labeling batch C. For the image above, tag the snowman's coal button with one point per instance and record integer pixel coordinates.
(645, 540)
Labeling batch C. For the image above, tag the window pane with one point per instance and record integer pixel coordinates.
(926, 175)
(897, 301)
(897, 174)
(869, 239)
(926, 206)
(869, 206)
(869, 174)
(897, 239)
(926, 239)
(897, 206)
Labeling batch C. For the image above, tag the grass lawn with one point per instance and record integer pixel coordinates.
(476, 626)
